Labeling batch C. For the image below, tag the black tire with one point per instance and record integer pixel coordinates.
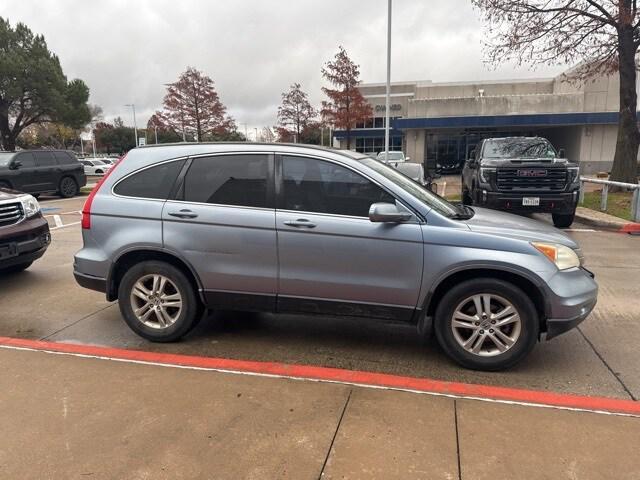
(529, 324)
(188, 316)
(466, 197)
(68, 187)
(16, 268)
(98, 172)
(563, 220)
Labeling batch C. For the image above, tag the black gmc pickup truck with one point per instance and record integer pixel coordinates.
(522, 174)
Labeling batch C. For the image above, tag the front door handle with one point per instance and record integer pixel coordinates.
(301, 222)
(184, 213)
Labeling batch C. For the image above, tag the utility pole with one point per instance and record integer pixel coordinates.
(155, 128)
(135, 126)
(388, 94)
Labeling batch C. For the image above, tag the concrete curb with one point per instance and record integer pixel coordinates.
(605, 221)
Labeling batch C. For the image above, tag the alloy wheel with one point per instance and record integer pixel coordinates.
(486, 325)
(156, 301)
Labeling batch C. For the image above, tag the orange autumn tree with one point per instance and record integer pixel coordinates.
(346, 105)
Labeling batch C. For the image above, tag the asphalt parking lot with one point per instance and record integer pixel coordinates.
(600, 358)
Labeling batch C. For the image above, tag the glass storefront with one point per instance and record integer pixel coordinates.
(376, 144)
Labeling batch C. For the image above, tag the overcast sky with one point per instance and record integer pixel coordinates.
(126, 50)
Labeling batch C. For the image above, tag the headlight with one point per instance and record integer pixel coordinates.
(30, 205)
(574, 174)
(563, 257)
(484, 174)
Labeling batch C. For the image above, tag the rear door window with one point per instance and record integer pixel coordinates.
(154, 182)
(65, 158)
(237, 180)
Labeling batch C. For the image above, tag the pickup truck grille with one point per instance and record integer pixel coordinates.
(530, 179)
(10, 213)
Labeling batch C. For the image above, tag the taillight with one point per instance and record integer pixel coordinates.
(86, 210)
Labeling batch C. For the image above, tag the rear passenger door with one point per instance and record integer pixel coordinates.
(223, 223)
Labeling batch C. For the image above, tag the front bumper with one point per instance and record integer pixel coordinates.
(24, 242)
(571, 296)
(563, 203)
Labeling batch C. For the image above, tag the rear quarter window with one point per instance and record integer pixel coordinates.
(65, 158)
(153, 182)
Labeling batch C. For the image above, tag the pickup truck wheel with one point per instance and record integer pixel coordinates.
(68, 187)
(466, 197)
(486, 324)
(16, 268)
(158, 302)
(563, 220)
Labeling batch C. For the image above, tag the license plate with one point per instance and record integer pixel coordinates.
(531, 201)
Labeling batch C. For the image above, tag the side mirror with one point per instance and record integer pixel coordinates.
(15, 165)
(561, 153)
(387, 212)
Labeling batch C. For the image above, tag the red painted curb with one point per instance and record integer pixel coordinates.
(630, 228)
(425, 385)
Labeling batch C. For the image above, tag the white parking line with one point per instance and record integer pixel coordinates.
(65, 226)
(58, 221)
(579, 230)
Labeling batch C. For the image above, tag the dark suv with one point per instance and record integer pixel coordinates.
(522, 174)
(42, 171)
(24, 233)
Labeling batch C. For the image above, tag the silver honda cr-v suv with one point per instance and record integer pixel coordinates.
(177, 229)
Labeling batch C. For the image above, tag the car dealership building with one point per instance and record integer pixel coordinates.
(440, 123)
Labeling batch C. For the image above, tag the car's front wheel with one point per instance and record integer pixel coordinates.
(68, 187)
(158, 301)
(563, 220)
(486, 324)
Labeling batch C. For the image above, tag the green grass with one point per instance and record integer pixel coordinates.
(618, 203)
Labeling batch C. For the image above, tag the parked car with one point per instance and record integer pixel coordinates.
(42, 171)
(24, 233)
(393, 157)
(174, 230)
(522, 174)
(414, 171)
(95, 166)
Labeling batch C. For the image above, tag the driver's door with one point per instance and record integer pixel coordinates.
(332, 258)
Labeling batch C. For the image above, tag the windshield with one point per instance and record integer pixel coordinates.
(5, 158)
(518, 148)
(424, 195)
(98, 162)
(392, 156)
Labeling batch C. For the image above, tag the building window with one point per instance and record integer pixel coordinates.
(378, 122)
(376, 144)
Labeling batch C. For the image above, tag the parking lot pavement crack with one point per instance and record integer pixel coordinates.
(47, 337)
(335, 434)
(617, 377)
(455, 417)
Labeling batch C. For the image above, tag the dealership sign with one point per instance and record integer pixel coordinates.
(392, 107)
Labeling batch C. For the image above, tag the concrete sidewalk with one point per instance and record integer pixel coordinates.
(70, 417)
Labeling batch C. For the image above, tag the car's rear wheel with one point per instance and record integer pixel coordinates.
(68, 187)
(486, 324)
(563, 220)
(99, 172)
(158, 301)
(16, 268)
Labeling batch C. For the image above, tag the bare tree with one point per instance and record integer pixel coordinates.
(603, 34)
(295, 112)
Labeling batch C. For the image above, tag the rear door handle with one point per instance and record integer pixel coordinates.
(184, 213)
(301, 222)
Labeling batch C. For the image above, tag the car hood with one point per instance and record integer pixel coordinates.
(504, 224)
(8, 194)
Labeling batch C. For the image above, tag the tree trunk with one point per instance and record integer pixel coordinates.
(8, 138)
(625, 160)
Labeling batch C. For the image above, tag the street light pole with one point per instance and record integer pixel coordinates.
(135, 126)
(388, 94)
(155, 128)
